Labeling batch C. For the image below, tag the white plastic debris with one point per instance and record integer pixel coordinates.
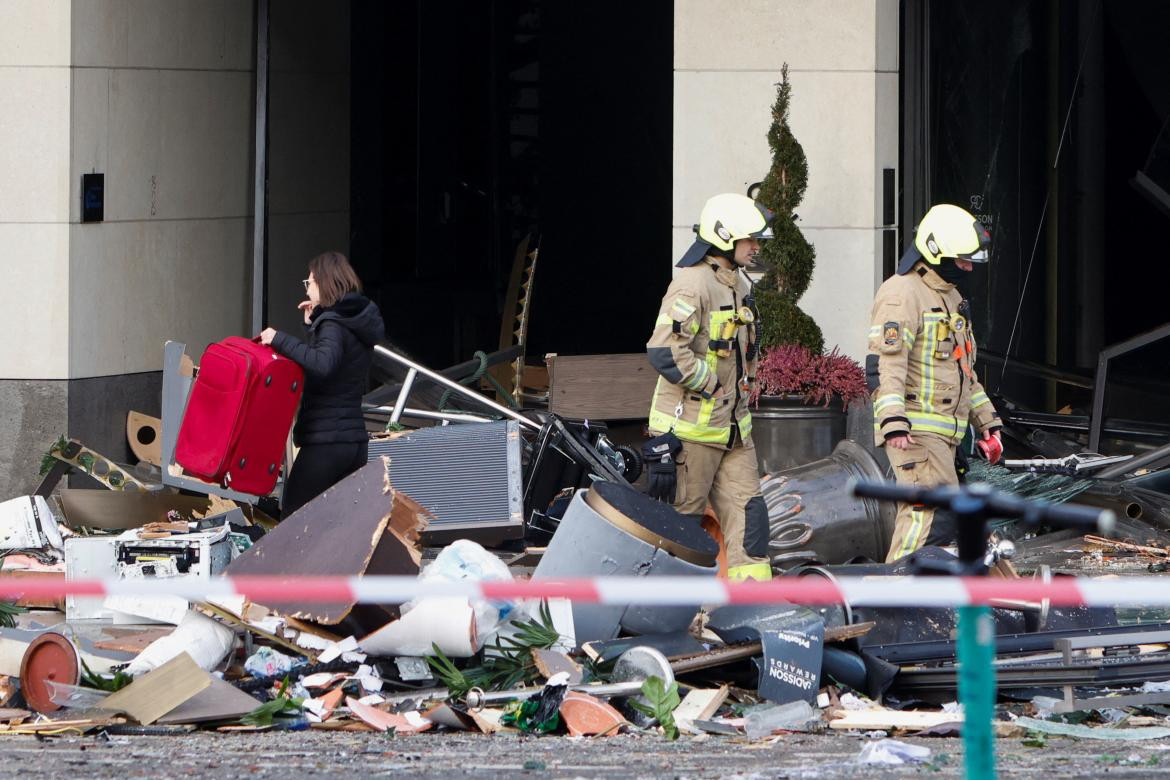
(851, 701)
(793, 716)
(28, 523)
(266, 662)
(207, 642)
(891, 752)
(337, 649)
(456, 624)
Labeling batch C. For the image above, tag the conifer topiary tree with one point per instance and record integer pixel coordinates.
(788, 258)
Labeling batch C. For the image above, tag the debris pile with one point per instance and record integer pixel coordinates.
(538, 496)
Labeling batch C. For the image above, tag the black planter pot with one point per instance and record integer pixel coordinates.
(788, 432)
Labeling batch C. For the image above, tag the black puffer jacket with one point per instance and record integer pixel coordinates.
(336, 360)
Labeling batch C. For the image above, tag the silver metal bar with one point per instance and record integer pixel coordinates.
(477, 699)
(260, 178)
(427, 414)
(1127, 467)
(458, 388)
(407, 384)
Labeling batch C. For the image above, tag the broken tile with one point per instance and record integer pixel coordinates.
(380, 720)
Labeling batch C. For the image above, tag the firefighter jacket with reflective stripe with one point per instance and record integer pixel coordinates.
(700, 391)
(922, 360)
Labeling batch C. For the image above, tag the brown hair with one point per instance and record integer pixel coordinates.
(335, 277)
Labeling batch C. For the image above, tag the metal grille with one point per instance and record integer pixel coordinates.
(468, 476)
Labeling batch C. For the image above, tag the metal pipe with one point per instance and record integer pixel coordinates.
(477, 699)
(407, 384)
(427, 414)
(465, 392)
(1134, 464)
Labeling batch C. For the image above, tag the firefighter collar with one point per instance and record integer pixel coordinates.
(932, 279)
(728, 277)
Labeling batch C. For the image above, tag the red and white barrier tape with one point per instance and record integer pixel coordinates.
(644, 591)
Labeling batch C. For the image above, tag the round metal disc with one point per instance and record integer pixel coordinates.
(641, 662)
(50, 656)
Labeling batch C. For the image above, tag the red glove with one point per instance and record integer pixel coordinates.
(991, 445)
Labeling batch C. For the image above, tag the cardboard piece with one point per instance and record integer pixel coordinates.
(157, 693)
(361, 525)
(793, 641)
(218, 701)
(113, 511)
(145, 436)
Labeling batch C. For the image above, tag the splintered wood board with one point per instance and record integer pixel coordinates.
(602, 387)
(361, 525)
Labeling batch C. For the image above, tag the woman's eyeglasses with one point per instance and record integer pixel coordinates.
(305, 282)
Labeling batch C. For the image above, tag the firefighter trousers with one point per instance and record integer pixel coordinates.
(730, 481)
(928, 462)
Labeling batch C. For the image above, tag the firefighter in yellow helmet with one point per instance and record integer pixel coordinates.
(704, 348)
(920, 368)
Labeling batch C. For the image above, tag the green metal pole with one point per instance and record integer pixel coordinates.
(977, 690)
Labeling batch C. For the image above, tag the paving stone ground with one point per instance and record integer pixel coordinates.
(320, 754)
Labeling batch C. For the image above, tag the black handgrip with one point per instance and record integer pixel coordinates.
(982, 500)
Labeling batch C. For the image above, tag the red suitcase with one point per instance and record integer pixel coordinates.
(238, 415)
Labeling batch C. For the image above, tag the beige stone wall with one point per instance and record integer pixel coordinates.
(34, 188)
(161, 102)
(842, 57)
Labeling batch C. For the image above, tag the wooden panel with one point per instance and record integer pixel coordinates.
(601, 387)
(361, 525)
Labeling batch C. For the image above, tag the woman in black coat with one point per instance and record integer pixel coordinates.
(342, 326)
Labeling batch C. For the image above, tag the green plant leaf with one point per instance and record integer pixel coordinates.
(282, 704)
(90, 679)
(661, 702)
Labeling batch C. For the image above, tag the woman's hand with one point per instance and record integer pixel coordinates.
(306, 308)
(267, 335)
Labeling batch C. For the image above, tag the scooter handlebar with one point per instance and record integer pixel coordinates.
(983, 500)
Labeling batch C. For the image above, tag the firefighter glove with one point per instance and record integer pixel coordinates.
(661, 456)
(991, 445)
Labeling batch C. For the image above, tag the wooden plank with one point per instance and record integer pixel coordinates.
(884, 720)
(701, 704)
(132, 642)
(159, 691)
(602, 387)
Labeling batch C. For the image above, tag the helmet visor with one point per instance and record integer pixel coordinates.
(983, 253)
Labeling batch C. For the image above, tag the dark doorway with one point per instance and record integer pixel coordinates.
(1038, 116)
(476, 123)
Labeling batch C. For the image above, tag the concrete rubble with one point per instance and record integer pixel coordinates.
(443, 664)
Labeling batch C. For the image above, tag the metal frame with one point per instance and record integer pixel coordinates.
(416, 369)
(1097, 418)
